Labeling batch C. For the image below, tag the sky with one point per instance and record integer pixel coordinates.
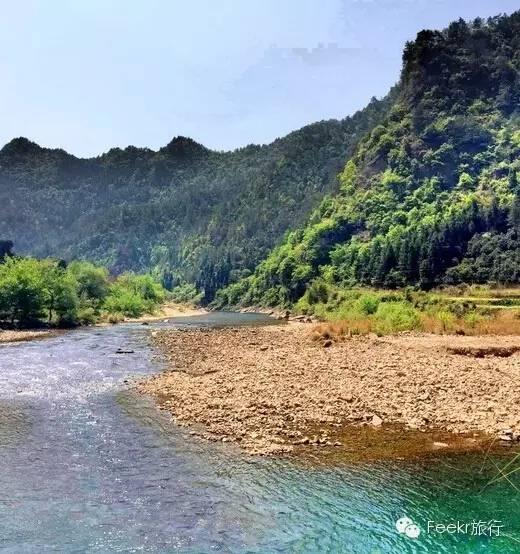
(89, 75)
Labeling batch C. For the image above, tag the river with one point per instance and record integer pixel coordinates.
(86, 466)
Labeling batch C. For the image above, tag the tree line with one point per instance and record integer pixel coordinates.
(36, 292)
(185, 213)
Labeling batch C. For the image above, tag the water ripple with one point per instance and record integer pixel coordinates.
(87, 466)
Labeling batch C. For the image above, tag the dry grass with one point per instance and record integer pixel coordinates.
(18, 336)
(503, 322)
(338, 330)
(479, 291)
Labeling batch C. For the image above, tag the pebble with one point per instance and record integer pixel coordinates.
(283, 383)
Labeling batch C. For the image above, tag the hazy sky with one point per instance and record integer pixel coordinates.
(88, 75)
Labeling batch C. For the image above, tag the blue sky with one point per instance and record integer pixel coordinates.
(89, 75)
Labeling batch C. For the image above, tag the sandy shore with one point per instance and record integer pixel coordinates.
(168, 310)
(18, 336)
(274, 389)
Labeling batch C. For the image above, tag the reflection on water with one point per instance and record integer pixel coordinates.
(86, 466)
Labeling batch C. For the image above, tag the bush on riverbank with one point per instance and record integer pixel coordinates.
(49, 292)
(468, 311)
(186, 293)
(133, 295)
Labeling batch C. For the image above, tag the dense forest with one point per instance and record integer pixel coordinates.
(188, 214)
(431, 194)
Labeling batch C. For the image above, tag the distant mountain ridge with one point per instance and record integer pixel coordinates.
(185, 212)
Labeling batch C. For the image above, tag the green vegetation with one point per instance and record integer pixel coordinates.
(430, 195)
(133, 295)
(420, 189)
(360, 310)
(186, 294)
(184, 213)
(49, 292)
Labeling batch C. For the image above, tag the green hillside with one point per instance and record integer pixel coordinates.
(431, 194)
(187, 213)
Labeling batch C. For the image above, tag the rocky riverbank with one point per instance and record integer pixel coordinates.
(275, 389)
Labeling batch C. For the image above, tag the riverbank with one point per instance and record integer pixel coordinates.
(167, 311)
(274, 389)
(19, 336)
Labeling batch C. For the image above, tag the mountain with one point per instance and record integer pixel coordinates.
(185, 212)
(430, 195)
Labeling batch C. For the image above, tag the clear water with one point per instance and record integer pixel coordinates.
(86, 466)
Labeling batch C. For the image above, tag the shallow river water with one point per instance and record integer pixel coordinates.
(86, 466)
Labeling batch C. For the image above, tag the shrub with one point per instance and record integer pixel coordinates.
(185, 293)
(125, 302)
(472, 320)
(446, 320)
(115, 318)
(91, 283)
(133, 295)
(396, 316)
(34, 291)
(87, 316)
(22, 294)
(367, 304)
(317, 292)
(63, 301)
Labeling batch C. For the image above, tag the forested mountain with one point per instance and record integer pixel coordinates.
(427, 192)
(431, 193)
(186, 212)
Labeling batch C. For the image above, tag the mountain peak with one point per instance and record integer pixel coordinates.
(21, 146)
(184, 147)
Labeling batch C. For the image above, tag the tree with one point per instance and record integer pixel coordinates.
(91, 282)
(60, 294)
(22, 291)
(514, 214)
